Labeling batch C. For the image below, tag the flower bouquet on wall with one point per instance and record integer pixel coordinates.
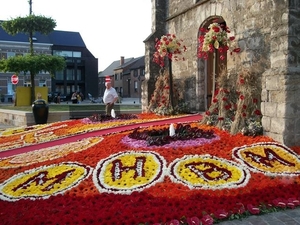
(168, 46)
(216, 38)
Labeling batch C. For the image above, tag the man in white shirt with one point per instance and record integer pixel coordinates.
(109, 98)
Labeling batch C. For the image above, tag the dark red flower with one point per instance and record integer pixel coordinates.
(236, 50)
(292, 202)
(221, 214)
(227, 107)
(252, 209)
(174, 222)
(242, 97)
(193, 221)
(241, 209)
(216, 29)
(207, 220)
(202, 29)
(279, 202)
(257, 112)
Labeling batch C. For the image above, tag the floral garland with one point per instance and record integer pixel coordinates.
(216, 37)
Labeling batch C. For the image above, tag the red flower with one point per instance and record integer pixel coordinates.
(236, 50)
(227, 107)
(215, 100)
(252, 209)
(279, 202)
(207, 220)
(292, 203)
(224, 99)
(221, 118)
(232, 38)
(216, 92)
(222, 57)
(221, 214)
(203, 30)
(226, 91)
(241, 209)
(216, 29)
(255, 100)
(193, 221)
(207, 113)
(221, 49)
(242, 81)
(257, 112)
(242, 97)
(244, 107)
(244, 114)
(174, 222)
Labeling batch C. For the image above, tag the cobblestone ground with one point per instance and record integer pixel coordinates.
(286, 217)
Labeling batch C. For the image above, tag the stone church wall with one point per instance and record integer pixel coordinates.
(267, 32)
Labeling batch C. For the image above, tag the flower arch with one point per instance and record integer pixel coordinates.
(233, 101)
(210, 63)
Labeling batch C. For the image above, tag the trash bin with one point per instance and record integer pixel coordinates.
(40, 111)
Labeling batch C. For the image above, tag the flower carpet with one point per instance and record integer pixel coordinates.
(83, 172)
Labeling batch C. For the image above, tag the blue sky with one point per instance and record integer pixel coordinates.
(109, 28)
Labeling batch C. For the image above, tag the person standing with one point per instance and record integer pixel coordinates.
(110, 96)
(74, 98)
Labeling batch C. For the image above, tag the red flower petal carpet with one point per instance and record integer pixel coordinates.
(79, 172)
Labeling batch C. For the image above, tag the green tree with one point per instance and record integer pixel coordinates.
(32, 63)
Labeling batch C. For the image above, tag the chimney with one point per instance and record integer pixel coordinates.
(122, 60)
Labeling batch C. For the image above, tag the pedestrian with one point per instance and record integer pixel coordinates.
(74, 98)
(110, 97)
(78, 96)
(58, 98)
